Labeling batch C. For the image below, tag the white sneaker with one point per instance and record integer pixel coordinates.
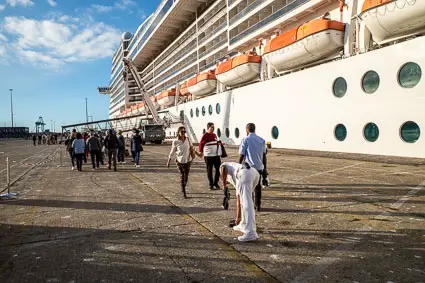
(238, 228)
(248, 237)
(72, 168)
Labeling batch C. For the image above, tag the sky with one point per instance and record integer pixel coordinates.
(55, 53)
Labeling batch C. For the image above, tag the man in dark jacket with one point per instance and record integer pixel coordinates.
(94, 146)
(111, 144)
(136, 146)
(68, 144)
(121, 147)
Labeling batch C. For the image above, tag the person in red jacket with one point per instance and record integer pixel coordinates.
(209, 149)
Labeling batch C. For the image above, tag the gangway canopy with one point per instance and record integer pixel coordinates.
(107, 124)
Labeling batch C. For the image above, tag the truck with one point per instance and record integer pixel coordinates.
(154, 133)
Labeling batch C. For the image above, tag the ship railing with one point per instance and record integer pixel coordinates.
(214, 31)
(246, 11)
(219, 9)
(278, 14)
(212, 20)
(201, 55)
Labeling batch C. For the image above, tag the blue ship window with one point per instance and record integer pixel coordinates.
(237, 133)
(409, 75)
(340, 132)
(410, 132)
(217, 108)
(370, 82)
(191, 113)
(227, 132)
(218, 132)
(371, 132)
(204, 131)
(339, 87)
(203, 110)
(210, 109)
(197, 112)
(275, 132)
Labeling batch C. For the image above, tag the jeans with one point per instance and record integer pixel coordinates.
(79, 157)
(95, 155)
(71, 154)
(213, 161)
(136, 156)
(121, 154)
(112, 156)
(184, 169)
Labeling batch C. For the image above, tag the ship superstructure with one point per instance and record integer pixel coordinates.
(312, 74)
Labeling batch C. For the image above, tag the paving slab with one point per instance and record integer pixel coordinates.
(325, 218)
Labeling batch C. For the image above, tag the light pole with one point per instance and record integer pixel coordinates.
(11, 104)
(87, 113)
(51, 125)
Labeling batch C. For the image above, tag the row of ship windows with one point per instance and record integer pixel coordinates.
(409, 132)
(408, 76)
(210, 110)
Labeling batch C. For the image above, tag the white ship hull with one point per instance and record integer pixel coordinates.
(240, 74)
(203, 88)
(305, 111)
(306, 50)
(394, 19)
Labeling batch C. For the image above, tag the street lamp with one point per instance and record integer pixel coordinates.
(11, 104)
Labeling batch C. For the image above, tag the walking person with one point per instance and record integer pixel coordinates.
(68, 143)
(121, 147)
(244, 178)
(136, 147)
(94, 147)
(34, 139)
(111, 144)
(183, 149)
(252, 150)
(79, 147)
(209, 149)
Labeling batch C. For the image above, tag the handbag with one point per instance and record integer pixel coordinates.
(223, 150)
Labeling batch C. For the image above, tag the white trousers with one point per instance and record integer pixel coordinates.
(246, 181)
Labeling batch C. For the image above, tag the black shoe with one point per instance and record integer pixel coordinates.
(217, 186)
(211, 188)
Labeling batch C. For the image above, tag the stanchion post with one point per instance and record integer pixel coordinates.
(8, 194)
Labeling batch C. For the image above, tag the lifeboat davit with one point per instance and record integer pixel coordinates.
(166, 97)
(202, 84)
(184, 91)
(238, 70)
(307, 43)
(386, 19)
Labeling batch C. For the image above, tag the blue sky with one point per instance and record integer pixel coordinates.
(55, 53)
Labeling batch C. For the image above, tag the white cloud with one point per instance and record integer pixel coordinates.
(55, 43)
(123, 4)
(2, 7)
(101, 8)
(2, 37)
(52, 3)
(24, 3)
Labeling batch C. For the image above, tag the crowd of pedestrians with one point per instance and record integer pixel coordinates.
(247, 174)
(44, 139)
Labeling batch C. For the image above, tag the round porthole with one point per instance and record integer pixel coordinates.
(210, 109)
(370, 82)
(340, 132)
(203, 111)
(191, 113)
(371, 132)
(237, 133)
(218, 132)
(217, 108)
(275, 132)
(409, 75)
(339, 87)
(197, 112)
(410, 132)
(227, 132)
(204, 131)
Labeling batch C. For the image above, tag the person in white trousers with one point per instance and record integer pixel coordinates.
(244, 179)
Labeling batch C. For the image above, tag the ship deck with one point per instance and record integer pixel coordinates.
(325, 218)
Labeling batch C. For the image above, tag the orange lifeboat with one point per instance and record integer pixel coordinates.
(184, 91)
(238, 70)
(202, 84)
(307, 43)
(387, 19)
(166, 97)
(141, 108)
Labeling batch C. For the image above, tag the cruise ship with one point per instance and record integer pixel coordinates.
(320, 75)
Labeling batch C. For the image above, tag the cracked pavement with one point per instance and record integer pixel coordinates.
(326, 218)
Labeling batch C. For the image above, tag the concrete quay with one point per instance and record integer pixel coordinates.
(325, 218)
